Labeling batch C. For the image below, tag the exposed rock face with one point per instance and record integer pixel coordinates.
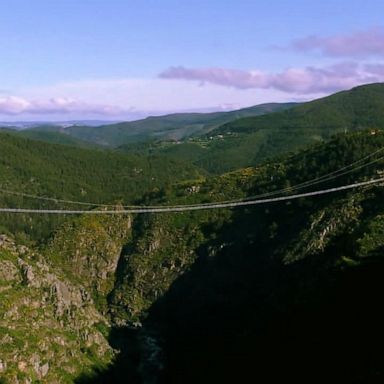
(89, 249)
(49, 325)
(325, 225)
(161, 249)
(8, 271)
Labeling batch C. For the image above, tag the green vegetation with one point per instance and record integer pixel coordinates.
(250, 141)
(64, 172)
(87, 249)
(359, 108)
(53, 137)
(273, 287)
(49, 328)
(206, 285)
(229, 151)
(270, 284)
(170, 127)
(168, 235)
(286, 291)
(221, 142)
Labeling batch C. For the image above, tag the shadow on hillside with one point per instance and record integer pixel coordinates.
(241, 317)
(124, 369)
(331, 333)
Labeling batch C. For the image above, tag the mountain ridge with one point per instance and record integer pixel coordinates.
(179, 294)
(250, 141)
(171, 126)
(195, 297)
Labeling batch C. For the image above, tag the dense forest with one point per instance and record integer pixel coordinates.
(71, 173)
(250, 141)
(176, 126)
(280, 291)
(264, 286)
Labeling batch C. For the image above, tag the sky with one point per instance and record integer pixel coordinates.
(123, 59)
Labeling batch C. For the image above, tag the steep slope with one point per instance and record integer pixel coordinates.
(216, 296)
(50, 329)
(228, 295)
(165, 235)
(88, 250)
(244, 311)
(63, 172)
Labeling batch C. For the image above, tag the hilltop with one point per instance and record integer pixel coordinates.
(49, 134)
(228, 295)
(181, 294)
(221, 142)
(71, 173)
(359, 108)
(174, 126)
(205, 296)
(252, 140)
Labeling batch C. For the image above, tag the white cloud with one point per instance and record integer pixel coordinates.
(12, 105)
(182, 89)
(299, 81)
(138, 97)
(365, 43)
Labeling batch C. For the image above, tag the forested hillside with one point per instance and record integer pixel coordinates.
(225, 141)
(359, 108)
(175, 126)
(64, 172)
(158, 225)
(55, 137)
(252, 140)
(228, 295)
(206, 296)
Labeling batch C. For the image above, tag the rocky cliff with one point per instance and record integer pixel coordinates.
(88, 250)
(210, 296)
(50, 329)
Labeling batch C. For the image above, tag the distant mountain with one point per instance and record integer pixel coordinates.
(49, 134)
(224, 295)
(169, 127)
(34, 124)
(359, 108)
(281, 292)
(66, 172)
(251, 140)
(213, 296)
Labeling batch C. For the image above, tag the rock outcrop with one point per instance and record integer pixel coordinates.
(50, 329)
(89, 249)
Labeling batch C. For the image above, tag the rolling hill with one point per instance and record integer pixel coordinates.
(50, 135)
(221, 142)
(250, 141)
(174, 126)
(264, 286)
(65, 172)
(284, 291)
(359, 108)
(205, 296)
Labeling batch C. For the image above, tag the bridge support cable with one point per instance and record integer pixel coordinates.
(186, 208)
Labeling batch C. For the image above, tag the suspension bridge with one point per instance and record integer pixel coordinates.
(265, 198)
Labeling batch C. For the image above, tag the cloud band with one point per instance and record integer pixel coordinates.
(309, 80)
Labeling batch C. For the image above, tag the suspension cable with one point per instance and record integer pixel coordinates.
(329, 176)
(165, 209)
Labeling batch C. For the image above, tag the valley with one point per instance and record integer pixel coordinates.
(287, 290)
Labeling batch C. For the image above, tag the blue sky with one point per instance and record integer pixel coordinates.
(110, 59)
